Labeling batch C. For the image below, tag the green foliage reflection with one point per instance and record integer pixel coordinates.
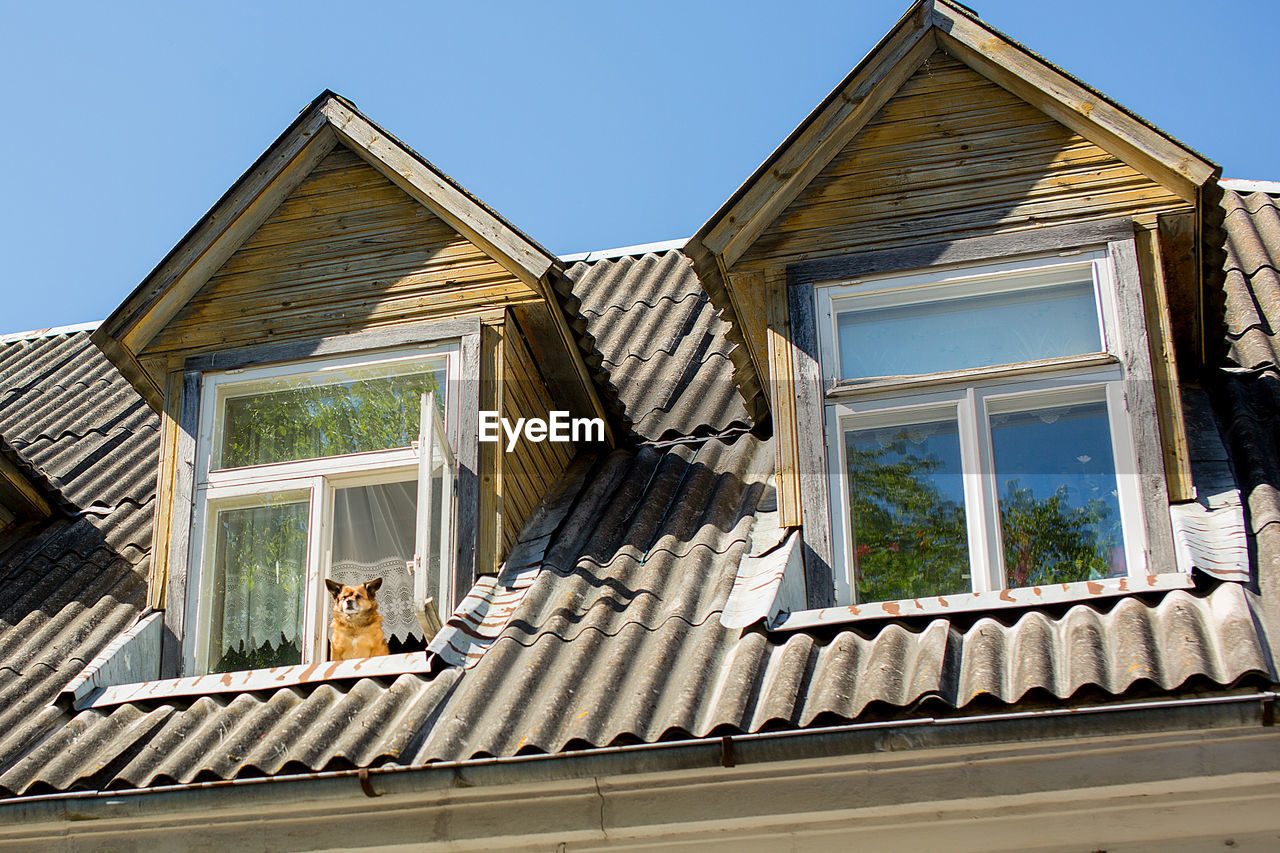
(1050, 541)
(310, 421)
(910, 539)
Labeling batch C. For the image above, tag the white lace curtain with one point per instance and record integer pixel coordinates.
(373, 536)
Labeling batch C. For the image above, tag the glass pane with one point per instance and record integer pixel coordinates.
(932, 334)
(259, 570)
(1059, 509)
(906, 502)
(373, 537)
(306, 417)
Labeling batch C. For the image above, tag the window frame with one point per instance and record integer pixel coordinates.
(818, 392)
(201, 376)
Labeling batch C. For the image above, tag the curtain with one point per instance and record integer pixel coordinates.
(259, 572)
(373, 536)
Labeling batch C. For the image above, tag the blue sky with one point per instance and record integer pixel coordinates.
(588, 125)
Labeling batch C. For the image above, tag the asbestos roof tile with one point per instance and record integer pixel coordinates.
(1248, 400)
(663, 343)
(77, 580)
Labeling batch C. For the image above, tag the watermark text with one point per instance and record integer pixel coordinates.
(558, 426)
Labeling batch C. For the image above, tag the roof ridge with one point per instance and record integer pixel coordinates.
(34, 334)
(624, 251)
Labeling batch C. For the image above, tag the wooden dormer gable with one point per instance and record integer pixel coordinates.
(340, 228)
(339, 240)
(896, 153)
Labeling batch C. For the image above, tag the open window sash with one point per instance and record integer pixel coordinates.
(432, 565)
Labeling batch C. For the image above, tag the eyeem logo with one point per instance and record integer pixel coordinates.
(560, 427)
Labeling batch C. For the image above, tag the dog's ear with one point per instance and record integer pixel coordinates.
(334, 587)
(372, 586)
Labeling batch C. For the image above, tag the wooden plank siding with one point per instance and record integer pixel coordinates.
(953, 155)
(530, 469)
(346, 251)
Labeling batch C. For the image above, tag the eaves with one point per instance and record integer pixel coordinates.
(1125, 762)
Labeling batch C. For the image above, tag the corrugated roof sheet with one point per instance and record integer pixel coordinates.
(77, 580)
(614, 636)
(1249, 398)
(662, 342)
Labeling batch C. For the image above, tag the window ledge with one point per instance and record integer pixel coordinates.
(944, 605)
(256, 679)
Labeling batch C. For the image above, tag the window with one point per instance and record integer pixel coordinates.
(338, 468)
(978, 433)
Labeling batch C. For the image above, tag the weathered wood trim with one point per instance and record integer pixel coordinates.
(820, 143)
(430, 188)
(466, 445)
(165, 481)
(748, 376)
(130, 368)
(968, 250)
(942, 24)
(746, 290)
(216, 237)
(1140, 399)
(561, 368)
(811, 450)
(1179, 273)
(570, 342)
(491, 509)
(781, 373)
(1164, 369)
(826, 121)
(1087, 112)
(375, 339)
(179, 533)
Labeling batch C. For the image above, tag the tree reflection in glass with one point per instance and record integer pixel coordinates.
(309, 417)
(906, 500)
(1059, 508)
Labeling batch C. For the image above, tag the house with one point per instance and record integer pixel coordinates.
(929, 498)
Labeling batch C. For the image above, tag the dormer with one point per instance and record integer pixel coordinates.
(326, 347)
(950, 288)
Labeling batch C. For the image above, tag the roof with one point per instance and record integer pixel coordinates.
(1247, 393)
(77, 580)
(613, 636)
(662, 342)
(604, 628)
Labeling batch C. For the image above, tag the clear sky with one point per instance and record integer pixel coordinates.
(588, 125)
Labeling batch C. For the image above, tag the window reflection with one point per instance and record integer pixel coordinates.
(906, 500)
(1059, 505)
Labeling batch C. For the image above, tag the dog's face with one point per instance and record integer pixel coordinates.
(352, 602)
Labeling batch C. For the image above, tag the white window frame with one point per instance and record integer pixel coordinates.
(318, 478)
(973, 395)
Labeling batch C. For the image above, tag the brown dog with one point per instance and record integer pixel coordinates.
(356, 629)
